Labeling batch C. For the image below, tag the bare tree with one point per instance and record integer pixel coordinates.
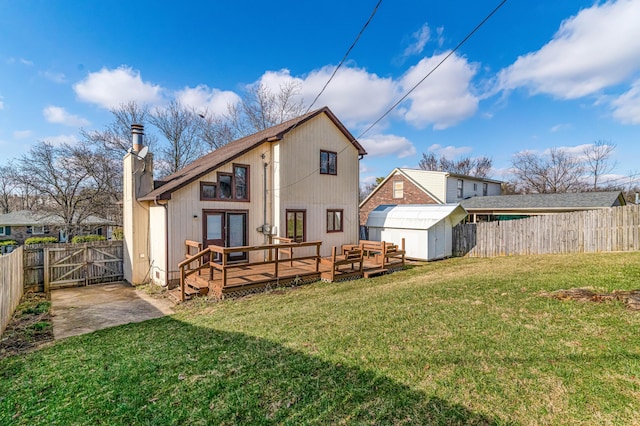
(8, 186)
(478, 166)
(71, 180)
(215, 131)
(597, 159)
(179, 125)
(115, 139)
(369, 188)
(260, 108)
(554, 172)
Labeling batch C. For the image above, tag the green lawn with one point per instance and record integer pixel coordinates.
(461, 341)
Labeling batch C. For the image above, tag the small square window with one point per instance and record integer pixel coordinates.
(208, 191)
(328, 163)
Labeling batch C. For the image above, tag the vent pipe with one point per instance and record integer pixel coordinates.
(137, 136)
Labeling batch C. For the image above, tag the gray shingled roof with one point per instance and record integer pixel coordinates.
(28, 218)
(581, 200)
(234, 149)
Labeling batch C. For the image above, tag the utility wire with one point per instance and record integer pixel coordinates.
(344, 58)
(406, 94)
(434, 68)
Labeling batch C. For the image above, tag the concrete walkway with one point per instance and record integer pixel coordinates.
(81, 310)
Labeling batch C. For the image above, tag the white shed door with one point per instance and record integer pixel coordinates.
(440, 240)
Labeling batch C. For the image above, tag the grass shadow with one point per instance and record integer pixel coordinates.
(170, 372)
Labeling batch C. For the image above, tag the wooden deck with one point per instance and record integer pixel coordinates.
(226, 279)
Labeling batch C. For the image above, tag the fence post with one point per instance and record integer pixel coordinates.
(47, 276)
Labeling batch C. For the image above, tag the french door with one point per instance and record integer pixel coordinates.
(225, 229)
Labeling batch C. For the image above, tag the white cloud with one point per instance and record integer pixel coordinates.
(444, 99)
(61, 139)
(1, 103)
(54, 114)
(559, 127)
(22, 134)
(56, 77)
(203, 98)
(355, 95)
(387, 145)
(111, 88)
(419, 40)
(626, 108)
(596, 49)
(449, 152)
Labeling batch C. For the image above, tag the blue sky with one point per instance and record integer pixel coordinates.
(537, 75)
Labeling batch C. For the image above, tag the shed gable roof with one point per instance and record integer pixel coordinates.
(414, 216)
(232, 150)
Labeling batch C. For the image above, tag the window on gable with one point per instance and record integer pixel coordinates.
(334, 220)
(230, 186)
(240, 175)
(296, 225)
(485, 189)
(328, 163)
(398, 189)
(460, 188)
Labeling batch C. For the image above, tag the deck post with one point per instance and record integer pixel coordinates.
(224, 268)
(318, 257)
(277, 256)
(182, 278)
(333, 263)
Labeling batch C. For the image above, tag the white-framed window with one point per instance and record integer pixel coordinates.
(398, 189)
(485, 189)
(460, 188)
(36, 230)
(475, 187)
(2, 231)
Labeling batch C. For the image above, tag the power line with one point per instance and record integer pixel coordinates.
(344, 58)
(434, 68)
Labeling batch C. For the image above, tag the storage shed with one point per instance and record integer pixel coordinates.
(426, 228)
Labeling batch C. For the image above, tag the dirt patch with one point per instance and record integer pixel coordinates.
(631, 298)
(30, 328)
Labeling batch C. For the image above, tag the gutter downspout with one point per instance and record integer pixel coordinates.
(166, 240)
(264, 203)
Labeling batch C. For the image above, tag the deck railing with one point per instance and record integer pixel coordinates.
(205, 259)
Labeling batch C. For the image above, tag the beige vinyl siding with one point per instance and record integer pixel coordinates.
(433, 182)
(185, 207)
(157, 245)
(302, 187)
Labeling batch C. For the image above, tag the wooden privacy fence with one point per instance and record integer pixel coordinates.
(11, 285)
(604, 230)
(51, 266)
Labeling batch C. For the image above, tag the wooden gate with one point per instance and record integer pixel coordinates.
(78, 265)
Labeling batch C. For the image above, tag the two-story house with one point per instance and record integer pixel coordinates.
(297, 180)
(411, 186)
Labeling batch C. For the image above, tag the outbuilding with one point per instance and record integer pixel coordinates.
(426, 228)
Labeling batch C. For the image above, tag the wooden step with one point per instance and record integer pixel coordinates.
(374, 272)
(196, 284)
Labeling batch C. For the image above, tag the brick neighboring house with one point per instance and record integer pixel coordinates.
(23, 224)
(411, 186)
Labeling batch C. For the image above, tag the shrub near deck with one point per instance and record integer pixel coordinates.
(462, 341)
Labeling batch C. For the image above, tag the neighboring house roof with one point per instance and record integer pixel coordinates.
(30, 218)
(232, 150)
(544, 202)
(420, 179)
(414, 216)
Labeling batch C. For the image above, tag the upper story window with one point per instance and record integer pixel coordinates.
(328, 163)
(460, 188)
(230, 186)
(485, 189)
(398, 189)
